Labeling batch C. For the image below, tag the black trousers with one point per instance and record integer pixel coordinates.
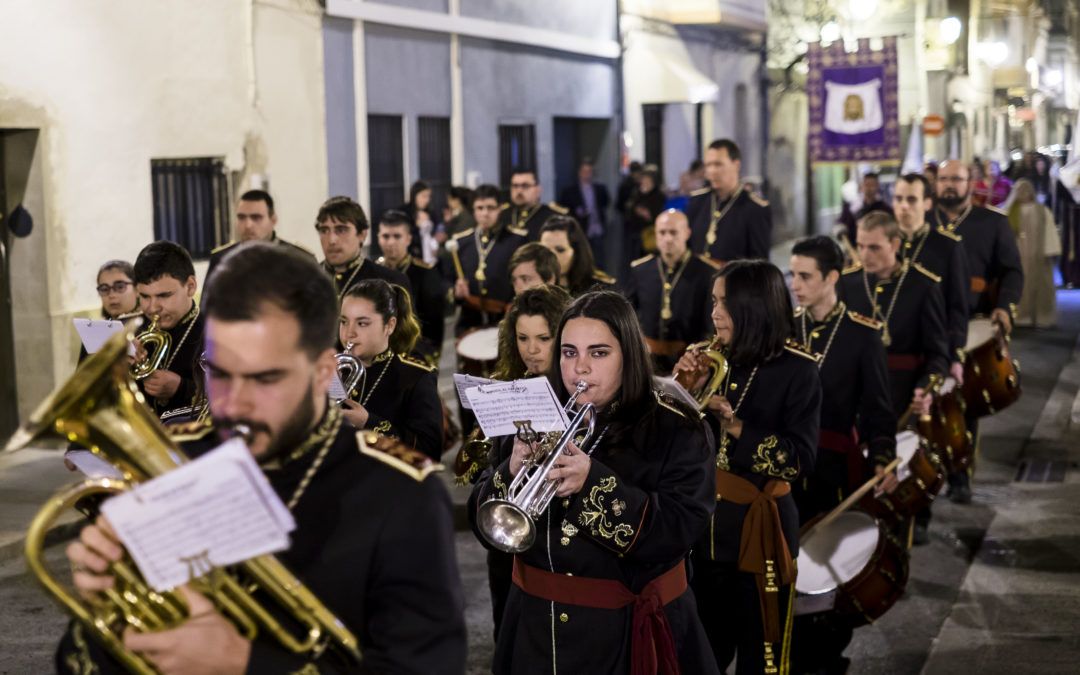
(818, 642)
(500, 576)
(731, 614)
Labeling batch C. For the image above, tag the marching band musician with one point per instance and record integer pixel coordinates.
(765, 419)
(855, 411)
(165, 282)
(484, 253)
(604, 588)
(525, 212)
(671, 293)
(390, 575)
(728, 220)
(255, 221)
(533, 265)
(116, 288)
(397, 395)
(577, 269)
(395, 240)
(342, 226)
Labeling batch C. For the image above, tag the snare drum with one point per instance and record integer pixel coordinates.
(991, 378)
(852, 566)
(921, 477)
(478, 351)
(947, 432)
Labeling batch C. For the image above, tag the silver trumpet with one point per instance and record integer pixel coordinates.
(349, 370)
(510, 524)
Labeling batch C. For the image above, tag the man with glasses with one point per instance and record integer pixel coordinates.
(525, 211)
(255, 221)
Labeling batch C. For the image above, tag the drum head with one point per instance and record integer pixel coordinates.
(480, 345)
(980, 331)
(947, 386)
(907, 444)
(837, 553)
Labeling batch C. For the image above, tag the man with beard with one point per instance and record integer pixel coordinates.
(525, 211)
(993, 263)
(374, 532)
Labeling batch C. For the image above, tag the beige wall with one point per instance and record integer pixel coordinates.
(111, 84)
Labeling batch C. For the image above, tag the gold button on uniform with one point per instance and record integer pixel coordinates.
(564, 617)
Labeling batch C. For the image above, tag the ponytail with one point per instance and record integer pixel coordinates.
(391, 301)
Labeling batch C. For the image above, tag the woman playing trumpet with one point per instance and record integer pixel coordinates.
(397, 395)
(603, 589)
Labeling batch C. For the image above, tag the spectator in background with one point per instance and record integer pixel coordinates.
(627, 187)
(980, 190)
(645, 204)
(871, 200)
(929, 172)
(693, 178)
(1000, 186)
(1040, 180)
(419, 208)
(588, 202)
(457, 216)
(1039, 243)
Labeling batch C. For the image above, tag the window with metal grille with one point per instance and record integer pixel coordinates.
(435, 158)
(654, 134)
(192, 203)
(386, 169)
(517, 148)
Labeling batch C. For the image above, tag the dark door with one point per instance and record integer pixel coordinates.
(517, 149)
(654, 134)
(575, 139)
(435, 159)
(9, 412)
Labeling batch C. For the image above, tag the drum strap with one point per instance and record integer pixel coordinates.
(763, 551)
(652, 647)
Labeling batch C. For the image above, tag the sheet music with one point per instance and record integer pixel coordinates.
(465, 382)
(91, 465)
(497, 406)
(337, 389)
(94, 332)
(669, 386)
(216, 510)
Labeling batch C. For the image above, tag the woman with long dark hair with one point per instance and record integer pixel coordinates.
(397, 395)
(603, 589)
(425, 225)
(765, 418)
(577, 268)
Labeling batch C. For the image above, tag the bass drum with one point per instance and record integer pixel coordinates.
(853, 566)
(921, 477)
(946, 431)
(991, 377)
(478, 351)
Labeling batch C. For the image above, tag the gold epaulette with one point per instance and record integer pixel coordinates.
(708, 261)
(701, 191)
(464, 233)
(602, 277)
(927, 272)
(296, 246)
(223, 247)
(794, 347)
(416, 363)
(558, 208)
(642, 260)
(396, 455)
(995, 209)
(421, 264)
(519, 231)
(854, 267)
(757, 199)
(662, 399)
(948, 233)
(864, 320)
(189, 431)
(504, 206)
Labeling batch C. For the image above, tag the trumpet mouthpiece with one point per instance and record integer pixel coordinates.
(582, 385)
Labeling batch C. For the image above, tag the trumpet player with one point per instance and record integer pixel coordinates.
(765, 419)
(397, 394)
(165, 282)
(604, 587)
(374, 532)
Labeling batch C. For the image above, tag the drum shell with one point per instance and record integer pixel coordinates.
(991, 378)
(475, 366)
(913, 494)
(947, 433)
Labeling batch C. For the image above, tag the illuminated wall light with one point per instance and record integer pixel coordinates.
(830, 32)
(1031, 65)
(861, 10)
(950, 29)
(1053, 78)
(992, 54)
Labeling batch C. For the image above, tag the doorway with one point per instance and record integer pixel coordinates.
(9, 412)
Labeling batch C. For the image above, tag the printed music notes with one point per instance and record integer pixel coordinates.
(497, 406)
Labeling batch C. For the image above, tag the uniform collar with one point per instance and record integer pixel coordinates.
(923, 230)
(316, 437)
(191, 314)
(836, 311)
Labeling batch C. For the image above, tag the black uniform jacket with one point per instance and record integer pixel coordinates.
(918, 343)
(496, 284)
(181, 360)
(744, 232)
(530, 219)
(646, 500)
(402, 397)
(942, 252)
(219, 253)
(361, 268)
(429, 302)
(780, 415)
(854, 388)
(597, 281)
(997, 278)
(374, 541)
(691, 297)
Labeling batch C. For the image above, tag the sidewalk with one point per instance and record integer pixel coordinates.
(27, 479)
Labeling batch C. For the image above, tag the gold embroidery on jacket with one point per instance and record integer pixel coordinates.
(80, 662)
(500, 486)
(308, 669)
(594, 517)
(382, 427)
(771, 464)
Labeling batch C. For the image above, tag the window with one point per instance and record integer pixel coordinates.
(192, 204)
(517, 148)
(385, 166)
(654, 134)
(435, 158)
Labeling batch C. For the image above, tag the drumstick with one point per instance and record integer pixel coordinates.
(932, 388)
(850, 501)
(452, 246)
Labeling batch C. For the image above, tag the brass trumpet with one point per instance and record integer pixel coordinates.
(101, 408)
(716, 372)
(349, 370)
(156, 342)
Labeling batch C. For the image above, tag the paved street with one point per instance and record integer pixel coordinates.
(996, 591)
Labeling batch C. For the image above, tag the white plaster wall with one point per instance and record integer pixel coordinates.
(114, 83)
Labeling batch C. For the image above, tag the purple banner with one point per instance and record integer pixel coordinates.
(853, 103)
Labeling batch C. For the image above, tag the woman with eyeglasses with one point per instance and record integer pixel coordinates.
(603, 588)
(116, 288)
(577, 268)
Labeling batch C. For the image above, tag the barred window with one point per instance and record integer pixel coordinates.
(435, 158)
(192, 204)
(517, 148)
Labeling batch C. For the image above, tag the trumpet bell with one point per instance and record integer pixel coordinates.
(506, 526)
